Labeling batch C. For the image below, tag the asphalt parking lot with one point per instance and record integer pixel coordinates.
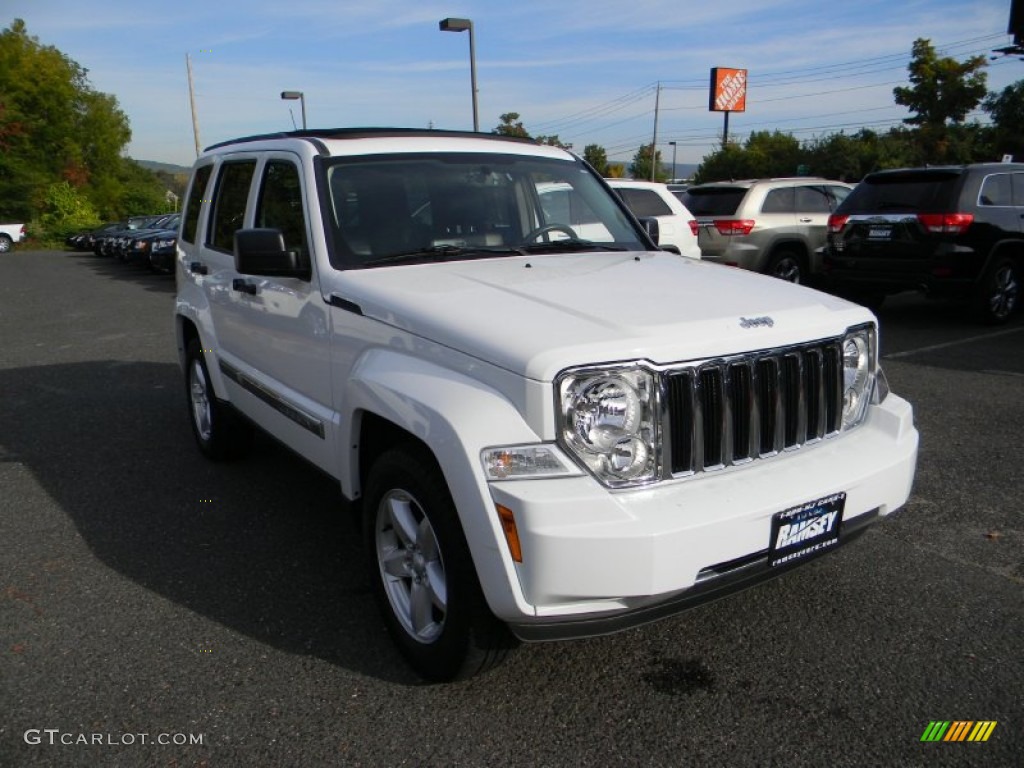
(148, 596)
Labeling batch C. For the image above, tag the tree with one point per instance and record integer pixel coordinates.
(1006, 109)
(942, 91)
(595, 155)
(640, 168)
(55, 128)
(553, 141)
(511, 125)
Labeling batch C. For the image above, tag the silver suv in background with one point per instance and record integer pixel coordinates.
(774, 226)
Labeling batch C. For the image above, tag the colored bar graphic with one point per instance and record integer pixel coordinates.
(935, 731)
(958, 730)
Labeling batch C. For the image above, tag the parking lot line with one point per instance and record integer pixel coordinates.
(944, 345)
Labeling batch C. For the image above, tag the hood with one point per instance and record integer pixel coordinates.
(536, 315)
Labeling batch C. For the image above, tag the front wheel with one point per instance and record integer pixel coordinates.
(219, 433)
(421, 571)
(998, 292)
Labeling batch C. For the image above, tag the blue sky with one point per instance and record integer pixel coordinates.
(585, 70)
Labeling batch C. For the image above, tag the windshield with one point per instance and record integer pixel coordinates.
(389, 209)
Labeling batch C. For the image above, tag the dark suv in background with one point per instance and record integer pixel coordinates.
(952, 231)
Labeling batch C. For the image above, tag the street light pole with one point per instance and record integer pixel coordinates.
(461, 25)
(302, 100)
(673, 145)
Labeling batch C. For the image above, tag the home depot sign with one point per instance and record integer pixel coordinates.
(728, 90)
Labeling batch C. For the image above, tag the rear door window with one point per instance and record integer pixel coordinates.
(996, 190)
(195, 200)
(812, 199)
(781, 200)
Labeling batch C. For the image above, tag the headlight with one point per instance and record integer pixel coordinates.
(858, 374)
(608, 423)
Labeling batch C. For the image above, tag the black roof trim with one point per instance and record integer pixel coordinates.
(316, 135)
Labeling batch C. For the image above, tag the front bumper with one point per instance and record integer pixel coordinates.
(595, 561)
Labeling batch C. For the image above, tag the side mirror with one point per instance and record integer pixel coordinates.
(263, 252)
(650, 224)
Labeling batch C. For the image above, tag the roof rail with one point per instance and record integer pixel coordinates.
(362, 133)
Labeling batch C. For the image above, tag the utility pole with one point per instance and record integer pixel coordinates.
(654, 140)
(192, 101)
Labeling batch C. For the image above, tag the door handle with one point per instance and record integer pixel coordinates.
(198, 268)
(244, 286)
(806, 221)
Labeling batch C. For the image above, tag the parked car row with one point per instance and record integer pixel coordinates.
(950, 231)
(146, 240)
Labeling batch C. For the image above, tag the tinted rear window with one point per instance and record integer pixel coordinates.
(644, 202)
(927, 191)
(713, 201)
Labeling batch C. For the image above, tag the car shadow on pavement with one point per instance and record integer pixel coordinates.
(133, 272)
(264, 546)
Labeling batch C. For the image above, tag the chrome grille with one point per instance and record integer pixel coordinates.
(738, 409)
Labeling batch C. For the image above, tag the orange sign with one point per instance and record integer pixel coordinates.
(728, 90)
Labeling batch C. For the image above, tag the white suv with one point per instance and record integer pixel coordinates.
(649, 199)
(547, 436)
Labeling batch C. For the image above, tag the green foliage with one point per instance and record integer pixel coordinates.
(61, 142)
(553, 141)
(640, 168)
(511, 125)
(595, 155)
(942, 89)
(1006, 109)
(65, 211)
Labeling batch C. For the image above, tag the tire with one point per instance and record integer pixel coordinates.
(998, 292)
(422, 574)
(5, 243)
(786, 265)
(219, 432)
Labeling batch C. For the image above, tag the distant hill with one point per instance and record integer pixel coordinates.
(166, 167)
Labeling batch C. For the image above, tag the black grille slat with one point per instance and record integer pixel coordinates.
(727, 412)
(713, 410)
(740, 394)
(768, 403)
(680, 404)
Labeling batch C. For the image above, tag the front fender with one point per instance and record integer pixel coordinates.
(456, 417)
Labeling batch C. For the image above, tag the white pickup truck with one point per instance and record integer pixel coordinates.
(9, 235)
(551, 428)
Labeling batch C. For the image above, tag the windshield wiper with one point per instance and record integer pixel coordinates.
(443, 253)
(568, 245)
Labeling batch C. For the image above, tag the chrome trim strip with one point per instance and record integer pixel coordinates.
(274, 400)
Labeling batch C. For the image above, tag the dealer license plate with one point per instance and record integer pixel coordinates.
(880, 232)
(806, 530)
